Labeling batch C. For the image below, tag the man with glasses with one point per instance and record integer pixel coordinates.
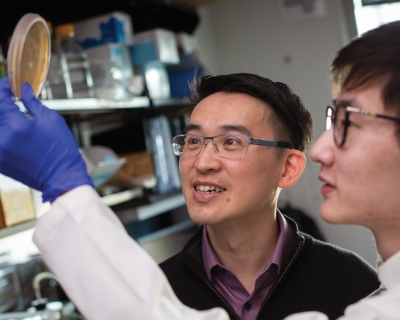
(242, 143)
(360, 159)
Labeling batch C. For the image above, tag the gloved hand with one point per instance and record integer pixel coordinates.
(39, 151)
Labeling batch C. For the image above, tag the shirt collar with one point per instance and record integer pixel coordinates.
(284, 243)
(279, 255)
(388, 271)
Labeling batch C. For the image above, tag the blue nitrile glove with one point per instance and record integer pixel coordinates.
(40, 152)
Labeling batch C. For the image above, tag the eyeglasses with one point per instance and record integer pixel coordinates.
(340, 118)
(226, 145)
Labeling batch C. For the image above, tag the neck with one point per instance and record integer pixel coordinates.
(246, 247)
(387, 242)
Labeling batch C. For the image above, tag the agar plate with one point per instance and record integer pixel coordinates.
(29, 54)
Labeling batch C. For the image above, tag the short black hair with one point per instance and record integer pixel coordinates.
(290, 120)
(373, 57)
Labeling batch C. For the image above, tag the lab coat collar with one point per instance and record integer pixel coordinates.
(388, 271)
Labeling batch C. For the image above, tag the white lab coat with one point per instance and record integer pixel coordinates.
(384, 304)
(101, 268)
(109, 276)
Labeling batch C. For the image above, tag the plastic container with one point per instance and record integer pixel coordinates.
(55, 87)
(74, 63)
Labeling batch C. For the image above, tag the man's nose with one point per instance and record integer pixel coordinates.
(209, 144)
(208, 159)
(322, 150)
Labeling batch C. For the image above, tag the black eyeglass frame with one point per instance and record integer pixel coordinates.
(251, 141)
(331, 113)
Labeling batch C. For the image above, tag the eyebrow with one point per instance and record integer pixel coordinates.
(226, 127)
(343, 103)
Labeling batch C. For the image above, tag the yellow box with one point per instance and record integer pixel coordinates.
(16, 204)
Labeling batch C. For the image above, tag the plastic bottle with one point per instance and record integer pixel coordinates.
(74, 63)
(54, 87)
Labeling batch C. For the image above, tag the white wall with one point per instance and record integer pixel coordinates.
(251, 36)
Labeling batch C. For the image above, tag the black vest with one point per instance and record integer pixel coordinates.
(317, 276)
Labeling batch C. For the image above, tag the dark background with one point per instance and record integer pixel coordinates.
(145, 14)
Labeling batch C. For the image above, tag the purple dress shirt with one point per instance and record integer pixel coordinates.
(245, 304)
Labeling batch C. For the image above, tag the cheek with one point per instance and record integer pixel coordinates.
(365, 184)
(185, 164)
(258, 179)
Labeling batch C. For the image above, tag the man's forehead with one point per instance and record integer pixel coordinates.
(232, 127)
(367, 98)
(231, 104)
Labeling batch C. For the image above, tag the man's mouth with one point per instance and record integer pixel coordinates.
(210, 189)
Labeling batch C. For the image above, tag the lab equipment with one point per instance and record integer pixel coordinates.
(29, 54)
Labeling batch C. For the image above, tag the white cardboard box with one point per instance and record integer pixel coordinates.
(155, 45)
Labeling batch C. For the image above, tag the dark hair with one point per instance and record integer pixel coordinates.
(373, 57)
(289, 118)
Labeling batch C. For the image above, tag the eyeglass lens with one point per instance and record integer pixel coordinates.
(339, 118)
(231, 146)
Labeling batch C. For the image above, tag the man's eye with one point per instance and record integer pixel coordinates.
(230, 141)
(192, 141)
(346, 123)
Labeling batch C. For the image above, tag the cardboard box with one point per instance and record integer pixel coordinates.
(16, 203)
(187, 44)
(137, 171)
(154, 45)
(111, 27)
(137, 164)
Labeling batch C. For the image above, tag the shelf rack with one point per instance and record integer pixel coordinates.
(146, 211)
(8, 231)
(93, 105)
(138, 213)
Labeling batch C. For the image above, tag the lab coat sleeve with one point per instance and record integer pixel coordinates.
(384, 306)
(311, 315)
(101, 268)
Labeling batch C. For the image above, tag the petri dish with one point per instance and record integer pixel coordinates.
(28, 55)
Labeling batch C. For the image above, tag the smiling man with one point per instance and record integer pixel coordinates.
(243, 143)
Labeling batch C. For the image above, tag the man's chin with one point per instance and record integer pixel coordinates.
(330, 214)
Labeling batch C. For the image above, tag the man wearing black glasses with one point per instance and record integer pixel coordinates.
(360, 159)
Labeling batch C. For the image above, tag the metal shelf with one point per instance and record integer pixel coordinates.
(166, 231)
(147, 211)
(89, 105)
(8, 231)
(93, 105)
(120, 197)
(170, 102)
(128, 215)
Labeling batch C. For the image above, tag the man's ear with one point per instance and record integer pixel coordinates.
(295, 162)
